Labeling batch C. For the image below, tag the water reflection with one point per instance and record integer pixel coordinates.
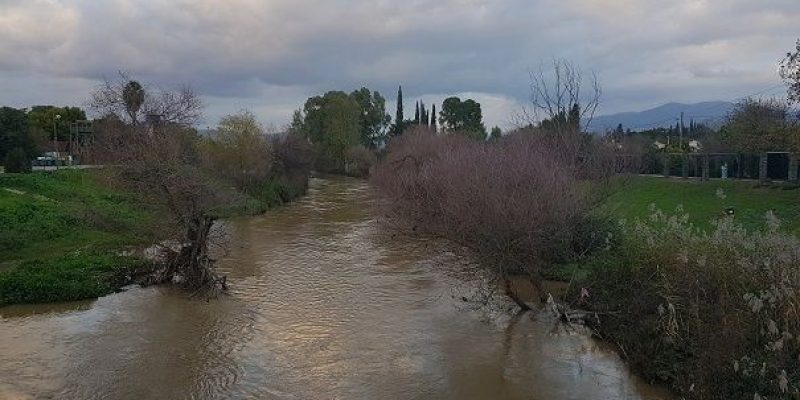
(322, 306)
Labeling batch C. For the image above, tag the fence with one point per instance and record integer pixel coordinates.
(764, 167)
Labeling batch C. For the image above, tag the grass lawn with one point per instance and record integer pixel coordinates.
(699, 199)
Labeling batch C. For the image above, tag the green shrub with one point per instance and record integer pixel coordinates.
(715, 315)
(17, 161)
(74, 276)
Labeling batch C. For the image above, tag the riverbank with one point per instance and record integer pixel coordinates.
(696, 298)
(63, 232)
(706, 201)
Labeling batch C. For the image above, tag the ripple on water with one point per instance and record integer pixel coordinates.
(322, 305)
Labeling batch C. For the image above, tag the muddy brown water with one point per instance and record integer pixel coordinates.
(322, 306)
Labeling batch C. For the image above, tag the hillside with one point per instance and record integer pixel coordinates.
(710, 113)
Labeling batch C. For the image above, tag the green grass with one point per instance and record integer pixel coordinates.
(56, 213)
(632, 200)
(61, 232)
(60, 235)
(67, 277)
(699, 199)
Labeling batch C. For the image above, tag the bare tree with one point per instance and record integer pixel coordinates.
(158, 160)
(559, 94)
(790, 72)
(132, 103)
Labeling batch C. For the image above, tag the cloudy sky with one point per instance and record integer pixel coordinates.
(270, 55)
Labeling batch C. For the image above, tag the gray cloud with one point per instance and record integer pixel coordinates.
(269, 55)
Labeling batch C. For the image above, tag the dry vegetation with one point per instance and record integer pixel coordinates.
(161, 157)
(516, 203)
(715, 315)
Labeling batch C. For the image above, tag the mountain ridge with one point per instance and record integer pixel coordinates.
(663, 116)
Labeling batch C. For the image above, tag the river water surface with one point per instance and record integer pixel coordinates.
(322, 306)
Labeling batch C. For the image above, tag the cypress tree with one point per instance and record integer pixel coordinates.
(416, 114)
(398, 118)
(433, 118)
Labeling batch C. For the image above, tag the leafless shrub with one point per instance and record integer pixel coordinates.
(515, 202)
(293, 152)
(559, 94)
(358, 161)
(160, 163)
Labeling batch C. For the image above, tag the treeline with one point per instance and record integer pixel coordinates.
(348, 129)
(27, 133)
(754, 125)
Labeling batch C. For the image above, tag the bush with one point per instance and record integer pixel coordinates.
(17, 161)
(238, 151)
(70, 277)
(359, 160)
(516, 202)
(294, 154)
(714, 315)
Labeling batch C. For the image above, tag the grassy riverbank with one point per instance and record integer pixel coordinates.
(706, 202)
(703, 203)
(62, 232)
(701, 302)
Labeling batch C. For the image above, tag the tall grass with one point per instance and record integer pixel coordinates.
(716, 315)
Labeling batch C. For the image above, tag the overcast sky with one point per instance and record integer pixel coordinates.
(270, 55)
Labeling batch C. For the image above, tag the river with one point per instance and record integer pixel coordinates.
(323, 305)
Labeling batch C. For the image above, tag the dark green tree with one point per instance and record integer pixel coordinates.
(15, 132)
(399, 116)
(563, 122)
(17, 161)
(399, 119)
(574, 119)
(374, 119)
(434, 126)
(133, 97)
(463, 117)
(42, 120)
(332, 124)
(297, 126)
(496, 134)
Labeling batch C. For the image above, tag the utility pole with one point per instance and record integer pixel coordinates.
(55, 140)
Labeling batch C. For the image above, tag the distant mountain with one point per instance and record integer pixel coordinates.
(710, 113)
